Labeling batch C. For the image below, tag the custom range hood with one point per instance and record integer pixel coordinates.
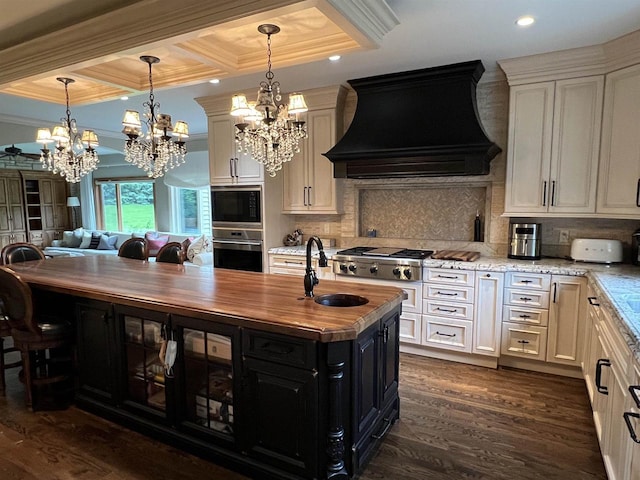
(417, 123)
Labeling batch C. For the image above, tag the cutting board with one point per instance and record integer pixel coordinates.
(461, 255)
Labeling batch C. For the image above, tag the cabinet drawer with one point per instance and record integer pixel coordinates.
(451, 293)
(288, 261)
(278, 348)
(413, 302)
(524, 341)
(463, 311)
(536, 281)
(410, 328)
(529, 316)
(451, 334)
(526, 298)
(450, 277)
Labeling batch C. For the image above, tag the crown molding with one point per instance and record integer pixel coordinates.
(373, 18)
(600, 59)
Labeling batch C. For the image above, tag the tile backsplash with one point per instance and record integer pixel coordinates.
(425, 213)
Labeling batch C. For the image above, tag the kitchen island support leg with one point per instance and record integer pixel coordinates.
(335, 447)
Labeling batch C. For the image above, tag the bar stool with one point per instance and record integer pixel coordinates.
(135, 248)
(172, 252)
(5, 332)
(20, 252)
(45, 343)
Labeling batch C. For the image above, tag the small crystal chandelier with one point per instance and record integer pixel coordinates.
(74, 155)
(154, 152)
(270, 132)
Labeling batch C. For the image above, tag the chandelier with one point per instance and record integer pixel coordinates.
(270, 132)
(154, 152)
(74, 155)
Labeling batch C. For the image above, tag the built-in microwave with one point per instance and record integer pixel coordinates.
(236, 206)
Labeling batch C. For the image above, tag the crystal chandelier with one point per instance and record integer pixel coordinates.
(154, 152)
(74, 155)
(269, 132)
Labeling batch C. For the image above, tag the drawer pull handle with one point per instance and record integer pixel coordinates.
(525, 316)
(602, 362)
(526, 281)
(289, 262)
(454, 277)
(523, 342)
(385, 429)
(526, 299)
(446, 334)
(276, 349)
(632, 390)
(447, 294)
(446, 310)
(627, 420)
(593, 301)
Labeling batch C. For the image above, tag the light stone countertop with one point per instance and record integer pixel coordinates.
(617, 286)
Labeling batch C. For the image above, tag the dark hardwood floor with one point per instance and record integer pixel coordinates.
(457, 422)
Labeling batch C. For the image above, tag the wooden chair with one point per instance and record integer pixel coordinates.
(136, 248)
(45, 343)
(172, 252)
(20, 252)
(5, 332)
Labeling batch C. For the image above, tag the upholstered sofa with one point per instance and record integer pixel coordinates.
(109, 246)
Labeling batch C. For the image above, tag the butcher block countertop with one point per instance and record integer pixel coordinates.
(274, 303)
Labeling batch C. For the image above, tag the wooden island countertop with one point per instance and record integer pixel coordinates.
(274, 303)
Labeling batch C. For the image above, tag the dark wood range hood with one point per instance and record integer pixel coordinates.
(417, 123)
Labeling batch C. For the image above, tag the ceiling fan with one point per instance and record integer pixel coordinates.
(14, 151)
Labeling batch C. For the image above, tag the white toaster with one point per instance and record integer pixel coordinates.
(596, 250)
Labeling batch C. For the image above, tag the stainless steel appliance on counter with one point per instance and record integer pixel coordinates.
(385, 263)
(524, 241)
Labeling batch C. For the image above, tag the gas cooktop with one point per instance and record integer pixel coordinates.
(390, 252)
(385, 263)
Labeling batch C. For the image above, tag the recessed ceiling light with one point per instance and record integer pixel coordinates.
(525, 21)
(124, 98)
(214, 80)
(334, 58)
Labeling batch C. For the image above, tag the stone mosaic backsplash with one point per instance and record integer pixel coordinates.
(421, 213)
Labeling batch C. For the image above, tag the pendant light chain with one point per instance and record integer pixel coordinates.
(269, 73)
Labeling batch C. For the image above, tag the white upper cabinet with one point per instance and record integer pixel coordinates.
(226, 165)
(554, 138)
(308, 183)
(619, 180)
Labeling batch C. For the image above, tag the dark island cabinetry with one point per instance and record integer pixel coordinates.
(269, 405)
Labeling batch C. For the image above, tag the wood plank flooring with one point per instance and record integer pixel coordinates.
(457, 422)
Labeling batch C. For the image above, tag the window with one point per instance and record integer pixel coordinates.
(126, 205)
(191, 211)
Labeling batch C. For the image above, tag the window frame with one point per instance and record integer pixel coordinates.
(204, 215)
(97, 195)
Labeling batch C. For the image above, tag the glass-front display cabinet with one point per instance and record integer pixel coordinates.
(145, 380)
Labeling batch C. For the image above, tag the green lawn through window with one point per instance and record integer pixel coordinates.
(135, 218)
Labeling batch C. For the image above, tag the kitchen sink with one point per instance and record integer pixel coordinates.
(341, 300)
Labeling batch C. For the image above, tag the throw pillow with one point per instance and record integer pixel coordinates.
(86, 240)
(107, 242)
(199, 245)
(155, 242)
(185, 245)
(95, 240)
(72, 239)
(67, 239)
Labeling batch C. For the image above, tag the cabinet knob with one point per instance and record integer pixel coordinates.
(488, 275)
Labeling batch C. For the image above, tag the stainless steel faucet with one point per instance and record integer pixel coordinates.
(310, 279)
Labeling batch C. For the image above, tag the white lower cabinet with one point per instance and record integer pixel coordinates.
(543, 317)
(448, 333)
(609, 372)
(633, 425)
(488, 313)
(410, 328)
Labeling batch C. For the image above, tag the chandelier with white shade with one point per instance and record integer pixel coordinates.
(270, 132)
(74, 155)
(155, 150)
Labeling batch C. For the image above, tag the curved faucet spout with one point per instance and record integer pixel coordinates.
(310, 278)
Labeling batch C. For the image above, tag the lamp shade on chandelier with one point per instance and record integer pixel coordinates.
(160, 147)
(269, 131)
(74, 155)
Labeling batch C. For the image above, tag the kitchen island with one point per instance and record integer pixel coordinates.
(266, 381)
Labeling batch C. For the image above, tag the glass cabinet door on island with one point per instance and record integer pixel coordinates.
(205, 377)
(144, 386)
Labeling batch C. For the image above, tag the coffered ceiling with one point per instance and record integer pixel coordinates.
(199, 41)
